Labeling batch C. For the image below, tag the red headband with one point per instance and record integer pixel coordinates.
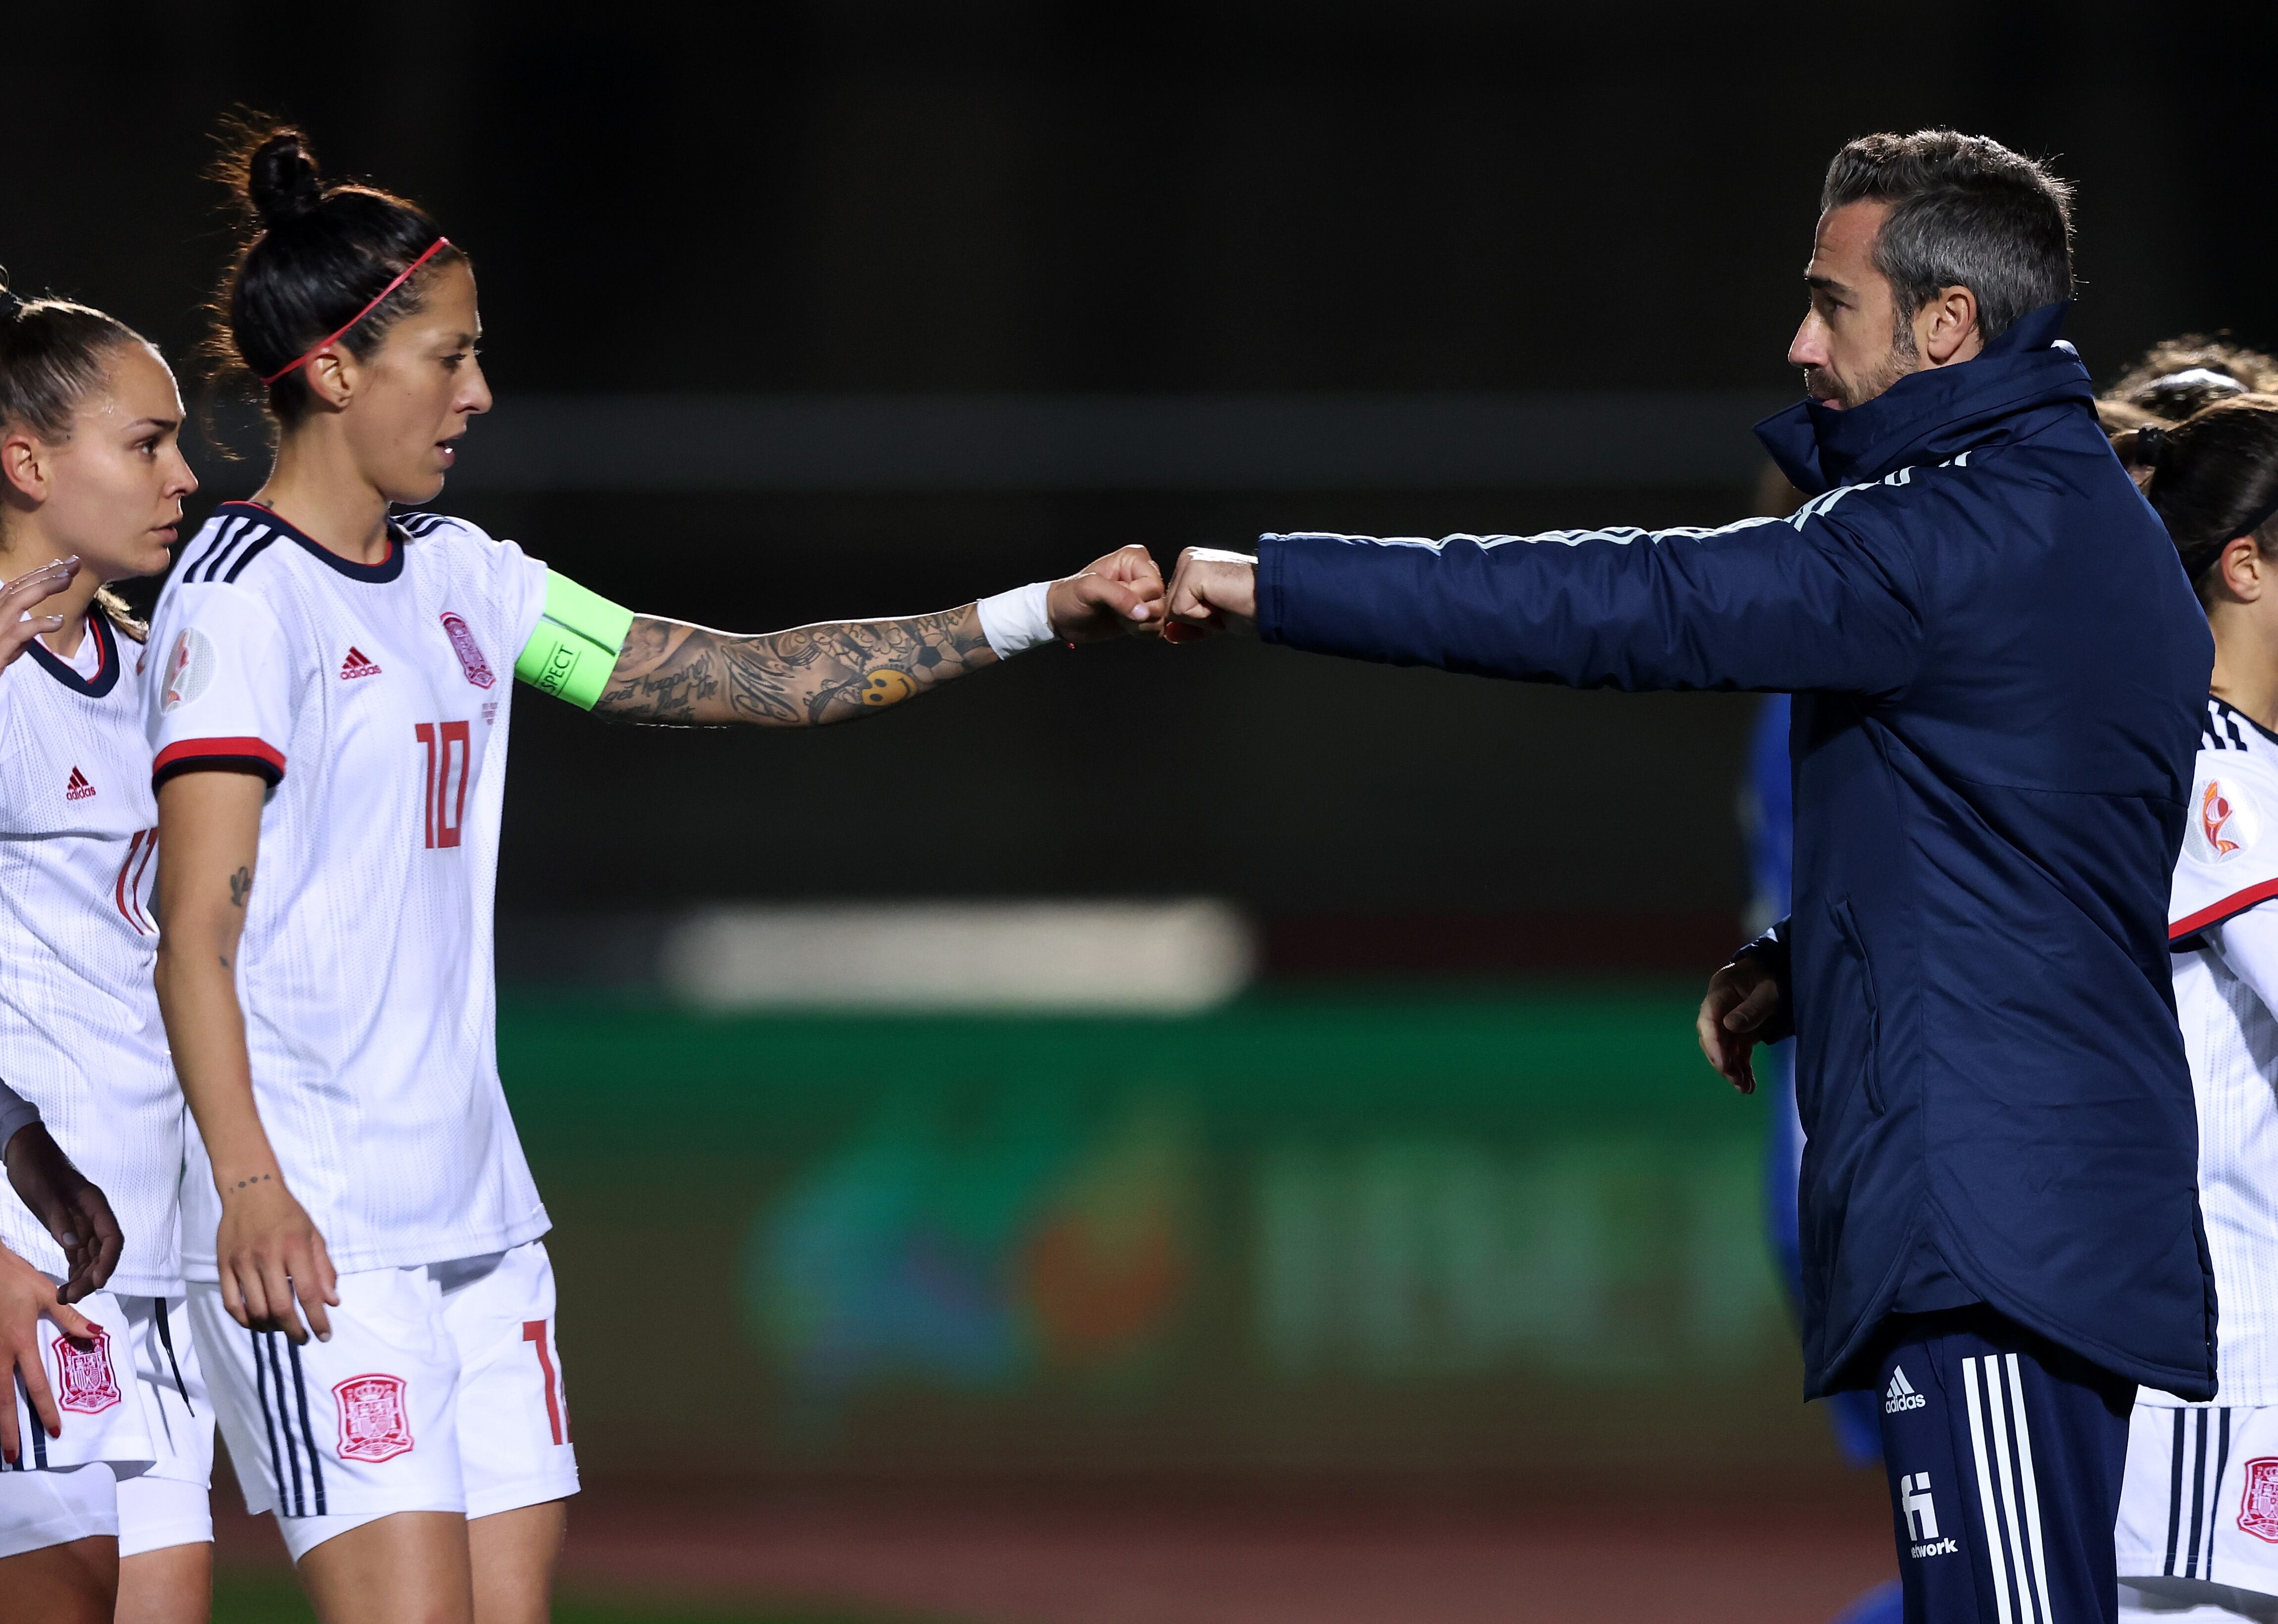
(401, 277)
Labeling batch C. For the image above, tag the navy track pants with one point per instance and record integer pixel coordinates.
(2005, 1454)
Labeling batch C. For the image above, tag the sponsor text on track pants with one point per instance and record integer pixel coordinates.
(2004, 1455)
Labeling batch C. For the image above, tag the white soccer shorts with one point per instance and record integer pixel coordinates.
(169, 1503)
(64, 1489)
(2199, 1509)
(56, 1507)
(440, 1390)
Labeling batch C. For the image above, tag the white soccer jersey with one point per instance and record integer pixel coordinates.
(2229, 867)
(79, 1033)
(375, 699)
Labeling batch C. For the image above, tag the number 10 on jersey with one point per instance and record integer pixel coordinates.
(445, 743)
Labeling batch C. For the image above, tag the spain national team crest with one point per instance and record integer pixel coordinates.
(470, 652)
(375, 1424)
(2258, 1507)
(85, 1383)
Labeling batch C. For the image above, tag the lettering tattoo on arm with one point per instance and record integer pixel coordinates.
(674, 675)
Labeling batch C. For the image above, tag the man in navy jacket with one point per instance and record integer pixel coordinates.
(1999, 669)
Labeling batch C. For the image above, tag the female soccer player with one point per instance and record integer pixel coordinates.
(329, 712)
(91, 472)
(2198, 1516)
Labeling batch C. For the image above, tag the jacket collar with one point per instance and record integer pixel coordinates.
(1929, 416)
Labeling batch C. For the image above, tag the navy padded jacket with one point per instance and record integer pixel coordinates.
(1999, 670)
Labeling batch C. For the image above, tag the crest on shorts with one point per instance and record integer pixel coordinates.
(85, 1383)
(470, 652)
(375, 1424)
(2258, 1507)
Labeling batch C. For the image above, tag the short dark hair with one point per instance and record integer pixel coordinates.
(1965, 210)
(317, 253)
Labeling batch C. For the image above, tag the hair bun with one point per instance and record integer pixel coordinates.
(281, 180)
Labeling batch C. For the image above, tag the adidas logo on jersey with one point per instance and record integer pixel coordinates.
(78, 788)
(357, 665)
(1901, 1395)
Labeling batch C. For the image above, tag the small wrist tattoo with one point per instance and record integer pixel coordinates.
(257, 1178)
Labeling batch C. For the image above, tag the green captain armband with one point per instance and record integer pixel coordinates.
(575, 646)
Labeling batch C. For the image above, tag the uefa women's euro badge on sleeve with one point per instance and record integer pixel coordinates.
(576, 643)
(2230, 860)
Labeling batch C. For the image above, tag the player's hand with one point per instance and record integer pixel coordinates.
(26, 1297)
(272, 1256)
(1743, 999)
(1110, 597)
(1212, 591)
(18, 628)
(70, 1208)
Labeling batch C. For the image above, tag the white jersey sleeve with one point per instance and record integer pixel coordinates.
(522, 593)
(2230, 860)
(224, 694)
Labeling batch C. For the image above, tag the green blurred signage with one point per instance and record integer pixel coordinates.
(1365, 1235)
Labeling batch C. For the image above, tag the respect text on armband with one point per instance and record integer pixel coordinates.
(561, 662)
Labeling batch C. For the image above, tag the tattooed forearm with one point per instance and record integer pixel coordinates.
(682, 675)
(241, 887)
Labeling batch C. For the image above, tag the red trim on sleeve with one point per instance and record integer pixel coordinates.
(2237, 902)
(244, 755)
(186, 748)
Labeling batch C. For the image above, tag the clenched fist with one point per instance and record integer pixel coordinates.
(1108, 597)
(1212, 591)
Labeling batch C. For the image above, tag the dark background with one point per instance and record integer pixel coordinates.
(1244, 198)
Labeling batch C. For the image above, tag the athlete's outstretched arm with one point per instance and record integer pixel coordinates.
(270, 1252)
(672, 673)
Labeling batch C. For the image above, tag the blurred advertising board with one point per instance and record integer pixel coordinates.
(1345, 1235)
